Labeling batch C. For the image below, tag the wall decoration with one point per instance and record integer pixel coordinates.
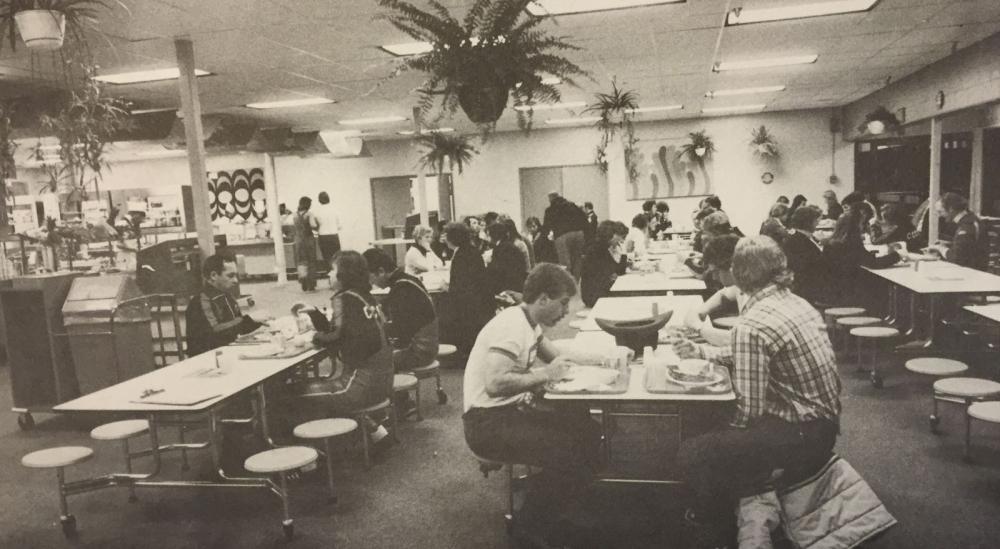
(767, 178)
(616, 111)
(239, 193)
(763, 145)
(879, 121)
(665, 171)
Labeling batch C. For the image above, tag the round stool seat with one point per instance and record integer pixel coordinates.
(426, 371)
(325, 428)
(583, 313)
(837, 312)
(986, 411)
(857, 321)
(936, 366)
(993, 299)
(120, 430)
(403, 382)
(876, 332)
(578, 323)
(726, 322)
(277, 460)
(971, 387)
(373, 408)
(57, 457)
(445, 349)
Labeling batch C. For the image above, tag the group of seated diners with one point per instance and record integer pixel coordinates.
(780, 358)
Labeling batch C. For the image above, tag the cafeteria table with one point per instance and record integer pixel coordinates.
(933, 280)
(636, 307)
(644, 284)
(189, 392)
(639, 403)
(989, 312)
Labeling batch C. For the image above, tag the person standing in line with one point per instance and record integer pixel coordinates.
(833, 208)
(305, 244)
(329, 228)
(591, 229)
(566, 221)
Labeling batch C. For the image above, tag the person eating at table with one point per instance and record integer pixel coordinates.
(413, 325)
(505, 418)
(604, 261)
(213, 318)
(785, 377)
(718, 260)
(969, 246)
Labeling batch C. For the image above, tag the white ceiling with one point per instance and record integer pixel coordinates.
(262, 50)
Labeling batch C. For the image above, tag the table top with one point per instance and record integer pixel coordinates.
(991, 312)
(631, 308)
(656, 282)
(190, 379)
(940, 277)
(391, 241)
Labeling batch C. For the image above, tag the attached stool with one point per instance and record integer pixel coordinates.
(845, 324)
(940, 367)
(985, 411)
(282, 461)
(365, 413)
(962, 390)
(726, 322)
(487, 466)
(431, 370)
(123, 431)
(445, 351)
(403, 384)
(875, 334)
(58, 459)
(326, 429)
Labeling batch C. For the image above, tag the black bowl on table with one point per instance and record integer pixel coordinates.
(636, 333)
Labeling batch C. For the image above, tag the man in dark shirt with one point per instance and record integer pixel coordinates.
(588, 208)
(213, 317)
(833, 207)
(567, 223)
(968, 247)
(414, 323)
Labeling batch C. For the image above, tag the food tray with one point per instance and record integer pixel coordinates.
(667, 387)
(285, 353)
(619, 387)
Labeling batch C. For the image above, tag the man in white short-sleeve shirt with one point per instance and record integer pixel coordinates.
(329, 227)
(508, 367)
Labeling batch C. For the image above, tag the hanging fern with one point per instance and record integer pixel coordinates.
(438, 148)
(763, 144)
(698, 148)
(495, 52)
(616, 111)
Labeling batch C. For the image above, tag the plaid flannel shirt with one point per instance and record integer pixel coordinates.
(781, 360)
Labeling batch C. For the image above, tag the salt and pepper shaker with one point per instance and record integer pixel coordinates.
(218, 359)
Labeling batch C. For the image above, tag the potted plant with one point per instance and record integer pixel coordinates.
(496, 51)
(878, 121)
(43, 24)
(616, 111)
(698, 148)
(763, 144)
(8, 147)
(439, 148)
(85, 125)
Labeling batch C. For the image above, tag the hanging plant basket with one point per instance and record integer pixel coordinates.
(699, 147)
(879, 122)
(763, 145)
(41, 30)
(483, 105)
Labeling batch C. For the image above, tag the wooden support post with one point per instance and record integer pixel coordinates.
(194, 136)
(274, 216)
(976, 177)
(935, 181)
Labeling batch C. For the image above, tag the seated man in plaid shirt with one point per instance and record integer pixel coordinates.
(787, 387)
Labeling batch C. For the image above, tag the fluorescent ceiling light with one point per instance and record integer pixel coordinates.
(541, 8)
(287, 103)
(432, 130)
(552, 81)
(765, 63)
(146, 76)
(149, 111)
(373, 120)
(409, 48)
(550, 106)
(744, 91)
(736, 108)
(743, 16)
(664, 108)
(569, 121)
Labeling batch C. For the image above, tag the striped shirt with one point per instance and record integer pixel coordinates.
(781, 360)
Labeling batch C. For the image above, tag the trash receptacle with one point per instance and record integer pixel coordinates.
(109, 333)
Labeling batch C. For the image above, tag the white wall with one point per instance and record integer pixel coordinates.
(491, 182)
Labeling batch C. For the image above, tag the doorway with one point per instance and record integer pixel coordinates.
(578, 184)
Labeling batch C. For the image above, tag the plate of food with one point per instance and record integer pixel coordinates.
(694, 372)
(590, 379)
